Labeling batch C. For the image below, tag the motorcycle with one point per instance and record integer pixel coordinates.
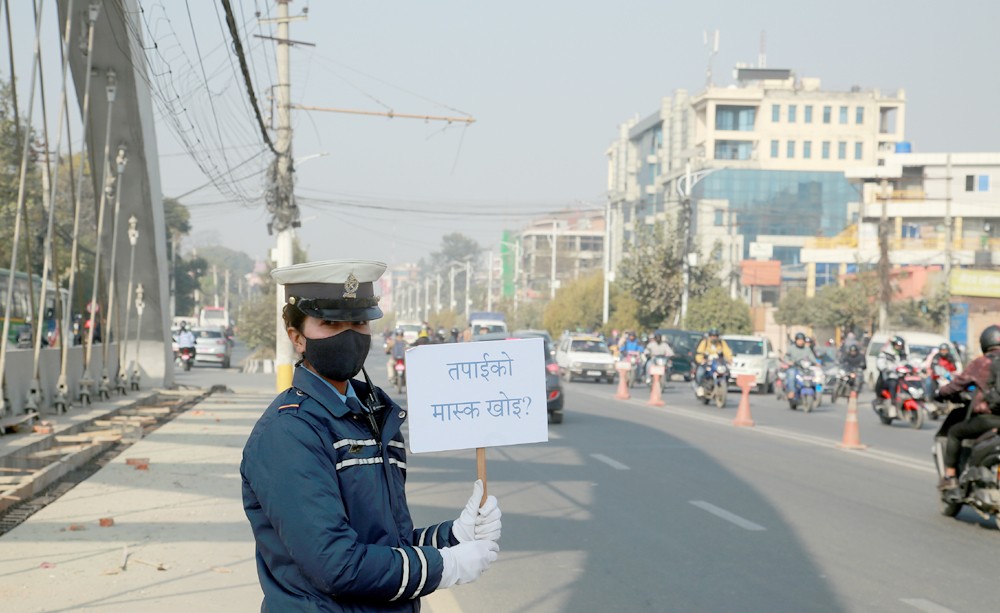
(400, 379)
(186, 355)
(908, 403)
(714, 386)
(634, 359)
(939, 378)
(658, 360)
(844, 383)
(978, 470)
(801, 387)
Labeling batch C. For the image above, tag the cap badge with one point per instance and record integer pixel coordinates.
(351, 286)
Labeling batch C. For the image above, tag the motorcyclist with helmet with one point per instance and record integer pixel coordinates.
(854, 361)
(983, 417)
(454, 335)
(710, 345)
(657, 348)
(800, 351)
(893, 354)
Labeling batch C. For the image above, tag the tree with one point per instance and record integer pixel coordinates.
(255, 324)
(455, 247)
(578, 305)
(715, 309)
(652, 273)
(851, 307)
(12, 137)
(793, 309)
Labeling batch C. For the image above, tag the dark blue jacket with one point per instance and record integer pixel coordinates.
(327, 505)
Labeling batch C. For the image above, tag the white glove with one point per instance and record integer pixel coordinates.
(488, 520)
(475, 522)
(465, 562)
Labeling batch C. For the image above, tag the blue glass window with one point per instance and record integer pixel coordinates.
(774, 148)
(733, 149)
(859, 115)
(775, 113)
(826, 114)
(791, 113)
(977, 183)
(842, 150)
(984, 183)
(809, 113)
(858, 150)
(791, 149)
(826, 150)
(740, 118)
(843, 114)
(807, 149)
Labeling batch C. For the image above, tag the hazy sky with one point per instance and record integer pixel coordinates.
(547, 82)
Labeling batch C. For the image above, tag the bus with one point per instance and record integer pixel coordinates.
(20, 307)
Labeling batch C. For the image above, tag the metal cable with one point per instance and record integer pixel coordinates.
(238, 49)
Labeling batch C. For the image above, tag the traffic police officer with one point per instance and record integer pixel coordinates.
(325, 467)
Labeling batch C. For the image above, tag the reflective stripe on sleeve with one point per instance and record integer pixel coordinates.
(398, 463)
(397, 444)
(406, 573)
(423, 570)
(423, 537)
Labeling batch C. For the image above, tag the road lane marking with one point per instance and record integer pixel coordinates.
(887, 457)
(612, 463)
(925, 605)
(746, 524)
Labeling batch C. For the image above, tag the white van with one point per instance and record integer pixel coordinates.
(918, 346)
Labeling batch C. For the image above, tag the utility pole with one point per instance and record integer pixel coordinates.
(607, 262)
(885, 289)
(949, 240)
(468, 286)
(686, 255)
(552, 284)
(281, 199)
(489, 283)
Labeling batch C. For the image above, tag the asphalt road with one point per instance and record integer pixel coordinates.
(635, 508)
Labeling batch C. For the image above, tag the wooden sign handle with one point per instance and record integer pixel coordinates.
(481, 470)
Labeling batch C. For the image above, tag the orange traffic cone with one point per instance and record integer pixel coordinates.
(655, 397)
(623, 370)
(852, 436)
(743, 411)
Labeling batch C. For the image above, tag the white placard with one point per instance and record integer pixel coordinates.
(477, 394)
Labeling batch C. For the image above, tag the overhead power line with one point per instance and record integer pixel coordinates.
(238, 49)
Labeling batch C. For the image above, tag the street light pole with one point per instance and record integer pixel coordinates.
(607, 263)
(489, 283)
(468, 286)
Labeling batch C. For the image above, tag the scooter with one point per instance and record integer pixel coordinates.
(634, 359)
(714, 386)
(978, 469)
(801, 387)
(658, 360)
(186, 355)
(908, 403)
(400, 378)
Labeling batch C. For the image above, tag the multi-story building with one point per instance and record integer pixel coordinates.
(922, 196)
(762, 160)
(578, 240)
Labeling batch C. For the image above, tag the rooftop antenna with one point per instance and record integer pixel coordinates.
(713, 50)
(762, 58)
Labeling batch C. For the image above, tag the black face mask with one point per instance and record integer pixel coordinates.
(338, 357)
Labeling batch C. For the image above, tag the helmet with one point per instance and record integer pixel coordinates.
(944, 347)
(657, 338)
(440, 331)
(898, 343)
(800, 336)
(989, 338)
(852, 349)
(713, 332)
(454, 330)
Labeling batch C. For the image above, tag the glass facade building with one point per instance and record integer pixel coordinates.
(781, 202)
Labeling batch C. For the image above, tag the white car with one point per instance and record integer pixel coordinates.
(585, 356)
(753, 355)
